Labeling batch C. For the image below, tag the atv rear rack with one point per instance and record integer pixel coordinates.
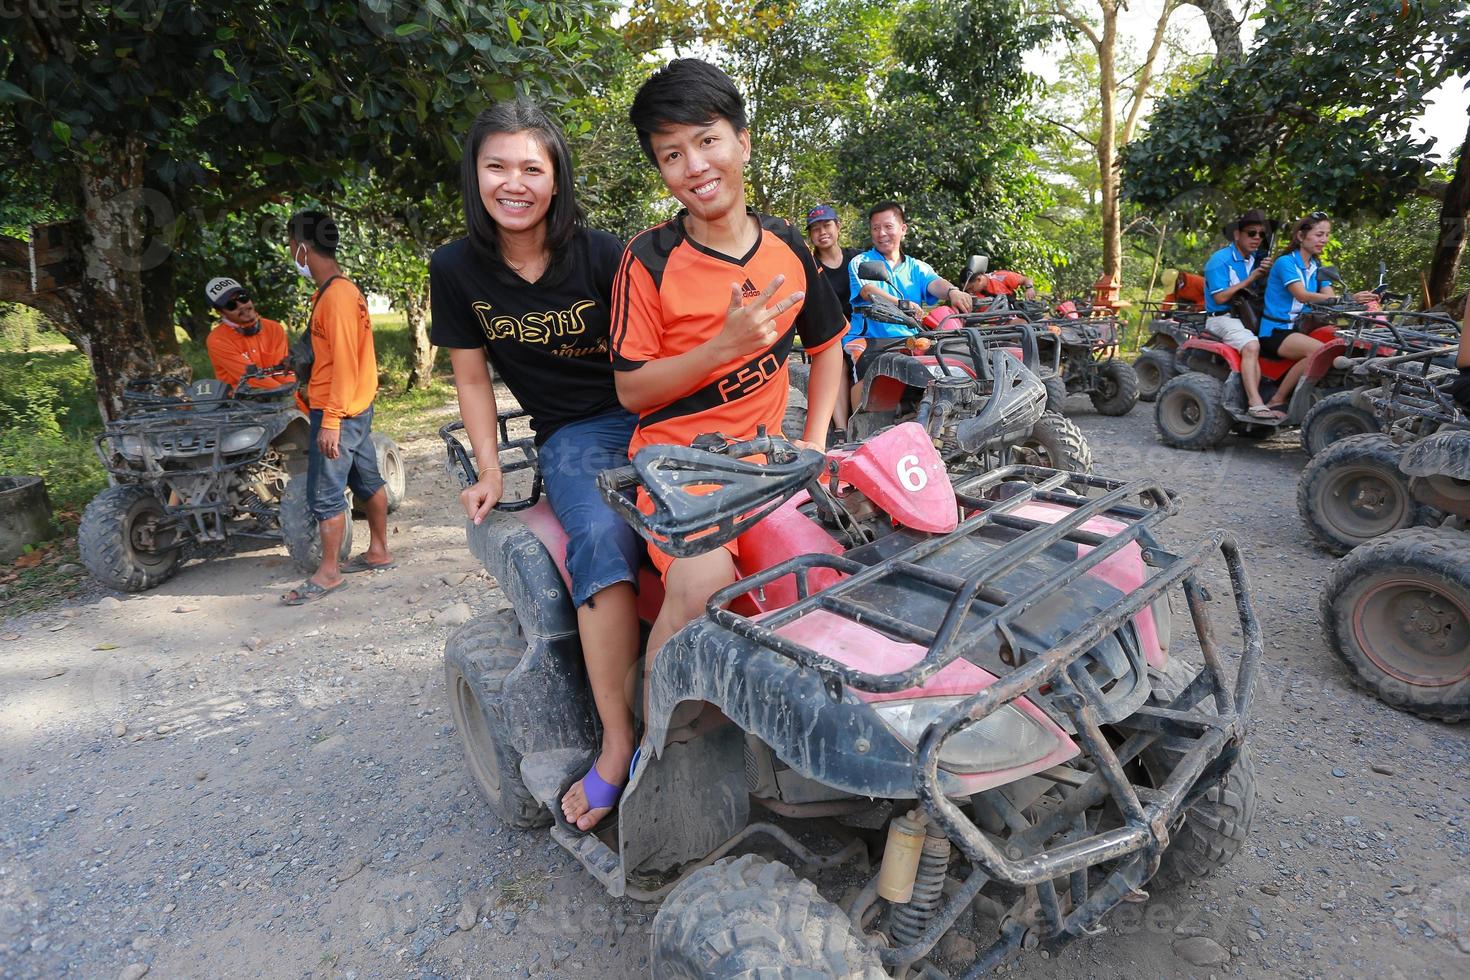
(515, 455)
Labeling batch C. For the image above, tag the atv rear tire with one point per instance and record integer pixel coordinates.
(1353, 492)
(749, 917)
(1055, 441)
(1117, 388)
(793, 423)
(1153, 369)
(110, 543)
(477, 658)
(1190, 412)
(800, 374)
(1056, 393)
(1217, 825)
(299, 527)
(390, 465)
(1334, 418)
(1397, 612)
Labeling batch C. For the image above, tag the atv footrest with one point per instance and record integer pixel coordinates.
(599, 859)
(545, 773)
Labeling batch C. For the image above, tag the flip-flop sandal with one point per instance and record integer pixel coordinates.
(599, 792)
(309, 591)
(1264, 412)
(360, 564)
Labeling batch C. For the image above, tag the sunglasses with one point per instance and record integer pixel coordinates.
(1254, 232)
(1319, 216)
(236, 301)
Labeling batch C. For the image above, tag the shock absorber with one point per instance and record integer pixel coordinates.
(908, 921)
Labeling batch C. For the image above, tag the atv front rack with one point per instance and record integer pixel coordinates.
(1412, 390)
(1201, 745)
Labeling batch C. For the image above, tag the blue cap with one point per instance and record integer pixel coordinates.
(822, 212)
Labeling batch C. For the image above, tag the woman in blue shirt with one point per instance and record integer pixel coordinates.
(1292, 285)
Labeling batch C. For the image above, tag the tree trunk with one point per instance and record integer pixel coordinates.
(416, 312)
(160, 292)
(1224, 29)
(1444, 264)
(1107, 164)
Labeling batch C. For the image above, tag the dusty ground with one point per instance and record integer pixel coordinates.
(204, 783)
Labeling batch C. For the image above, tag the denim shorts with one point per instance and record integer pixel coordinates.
(602, 549)
(356, 465)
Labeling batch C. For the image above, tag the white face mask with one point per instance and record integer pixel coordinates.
(301, 266)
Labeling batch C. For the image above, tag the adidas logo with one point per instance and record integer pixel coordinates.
(747, 289)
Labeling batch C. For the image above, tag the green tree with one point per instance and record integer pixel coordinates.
(1319, 114)
(949, 138)
(151, 118)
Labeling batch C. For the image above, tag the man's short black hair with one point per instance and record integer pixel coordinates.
(687, 92)
(314, 229)
(882, 206)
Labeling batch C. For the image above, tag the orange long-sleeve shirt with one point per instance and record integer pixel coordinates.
(231, 352)
(344, 377)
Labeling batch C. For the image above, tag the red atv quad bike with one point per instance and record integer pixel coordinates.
(971, 682)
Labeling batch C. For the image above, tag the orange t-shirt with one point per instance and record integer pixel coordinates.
(231, 352)
(671, 295)
(344, 377)
(1003, 282)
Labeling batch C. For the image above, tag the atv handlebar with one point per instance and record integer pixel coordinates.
(705, 495)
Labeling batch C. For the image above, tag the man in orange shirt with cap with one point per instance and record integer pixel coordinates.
(244, 339)
(344, 382)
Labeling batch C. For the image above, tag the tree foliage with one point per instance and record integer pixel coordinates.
(950, 140)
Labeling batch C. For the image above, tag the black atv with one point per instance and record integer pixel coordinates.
(971, 681)
(1087, 354)
(196, 469)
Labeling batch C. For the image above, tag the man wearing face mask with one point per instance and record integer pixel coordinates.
(344, 382)
(244, 339)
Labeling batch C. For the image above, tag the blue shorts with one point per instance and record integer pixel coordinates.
(356, 465)
(602, 549)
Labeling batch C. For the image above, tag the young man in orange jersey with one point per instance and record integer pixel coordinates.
(244, 339)
(706, 306)
(344, 382)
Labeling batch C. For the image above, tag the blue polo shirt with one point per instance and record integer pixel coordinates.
(911, 276)
(1226, 268)
(1281, 308)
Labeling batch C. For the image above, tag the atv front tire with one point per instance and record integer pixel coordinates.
(111, 543)
(1117, 388)
(1353, 492)
(1397, 612)
(749, 917)
(1335, 418)
(1190, 412)
(1216, 826)
(300, 531)
(1056, 393)
(1153, 368)
(477, 659)
(1055, 441)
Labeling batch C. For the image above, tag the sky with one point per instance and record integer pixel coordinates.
(1445, 121)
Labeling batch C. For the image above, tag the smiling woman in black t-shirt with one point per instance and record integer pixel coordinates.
(526, 293)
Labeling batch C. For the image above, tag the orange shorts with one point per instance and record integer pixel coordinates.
(662, 559)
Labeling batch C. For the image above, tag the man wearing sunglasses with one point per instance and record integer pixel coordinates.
(1230, 270)
(244, 339)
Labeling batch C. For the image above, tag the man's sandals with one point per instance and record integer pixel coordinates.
(1265, 412)
(309, 591)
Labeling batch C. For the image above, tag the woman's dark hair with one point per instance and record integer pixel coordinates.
(564, 217)
(687, 92)
(1300, 228)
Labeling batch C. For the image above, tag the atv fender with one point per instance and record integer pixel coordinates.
(544, 700)
(1442, 454)
(294, 442)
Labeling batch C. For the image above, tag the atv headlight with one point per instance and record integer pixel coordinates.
(131, 447)
(1004, 739)
(242, 439)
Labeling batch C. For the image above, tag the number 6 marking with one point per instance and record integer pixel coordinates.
(911, 474)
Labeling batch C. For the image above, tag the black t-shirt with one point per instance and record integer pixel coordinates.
(839, 280)
(546, 340)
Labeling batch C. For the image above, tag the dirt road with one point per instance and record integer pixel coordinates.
(201, 782)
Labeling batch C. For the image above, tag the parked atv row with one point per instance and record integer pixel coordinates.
(198, 469)
(966, 673)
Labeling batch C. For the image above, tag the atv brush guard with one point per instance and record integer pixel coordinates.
(516, 455)
(1060, 678)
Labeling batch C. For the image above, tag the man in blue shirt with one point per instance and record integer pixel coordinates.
(912, 280)
(1230, 270)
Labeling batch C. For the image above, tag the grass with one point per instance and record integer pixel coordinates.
(49, 418)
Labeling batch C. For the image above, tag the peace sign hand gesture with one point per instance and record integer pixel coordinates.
(751, 327)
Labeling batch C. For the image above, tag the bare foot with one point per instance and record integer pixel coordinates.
(578, 809)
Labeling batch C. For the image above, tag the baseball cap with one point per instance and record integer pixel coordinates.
(822, 212)
(220, 289)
